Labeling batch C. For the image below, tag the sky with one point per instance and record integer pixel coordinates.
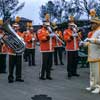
(31, 10)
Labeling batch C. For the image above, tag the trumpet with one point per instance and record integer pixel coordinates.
(11, 38)
(53, 34)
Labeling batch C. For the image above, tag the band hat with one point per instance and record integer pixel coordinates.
(1, 22)
(95, 20)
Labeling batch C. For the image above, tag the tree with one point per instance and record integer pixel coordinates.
(48, 8)
(98, 10)
(62, 9)
(9, 7)
(87, 5)
(54, 9)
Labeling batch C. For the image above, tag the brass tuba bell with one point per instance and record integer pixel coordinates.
(12, 39)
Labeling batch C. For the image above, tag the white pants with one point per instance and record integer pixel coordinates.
(94, 74)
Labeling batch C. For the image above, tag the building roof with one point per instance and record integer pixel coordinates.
(23, 19)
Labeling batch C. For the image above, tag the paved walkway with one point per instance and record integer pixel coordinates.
(60, 88)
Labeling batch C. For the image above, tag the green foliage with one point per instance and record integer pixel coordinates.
(9, 7)
(98, 10)
(62, 9)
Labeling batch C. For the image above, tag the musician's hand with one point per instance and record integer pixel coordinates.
(52, 35)
(81, 43)
(87, 40)
(33, 39)
(74, 30)
(75, 35)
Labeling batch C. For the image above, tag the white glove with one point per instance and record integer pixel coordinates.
(91, 40)
(50, 30)
(75, 34)
(52, 35)
(75, 30)
(86, 40)
(33, 39)
(81, 43)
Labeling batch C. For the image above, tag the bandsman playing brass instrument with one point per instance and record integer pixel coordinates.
(15, 60)
(72, 39)
(46, 48)
(30, 40)
(58, 49)
(3, 52)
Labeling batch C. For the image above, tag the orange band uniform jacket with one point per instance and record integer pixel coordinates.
(46, 44)
(28, 38)
(71, 45)
(4, 47)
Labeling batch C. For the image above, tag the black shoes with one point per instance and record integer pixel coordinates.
(3, 72)
(62, 63)
(77, 75)
(42, 78)
(70, 75)
(56, 64)
(19, 80)
(31, 64)
(49, 78)
(10, 81)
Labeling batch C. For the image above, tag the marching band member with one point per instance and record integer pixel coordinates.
(30, 40)
(3, 52)
(72, 46)
(25, 55)
(58, 47)
(15, 60)
(93, 43)
(46, 48)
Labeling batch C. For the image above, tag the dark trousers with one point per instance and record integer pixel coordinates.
(72, 62)
(58, 54)
(31, 56)
(15, 61)
(46, 64)
(2, 63)
(25, 55)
